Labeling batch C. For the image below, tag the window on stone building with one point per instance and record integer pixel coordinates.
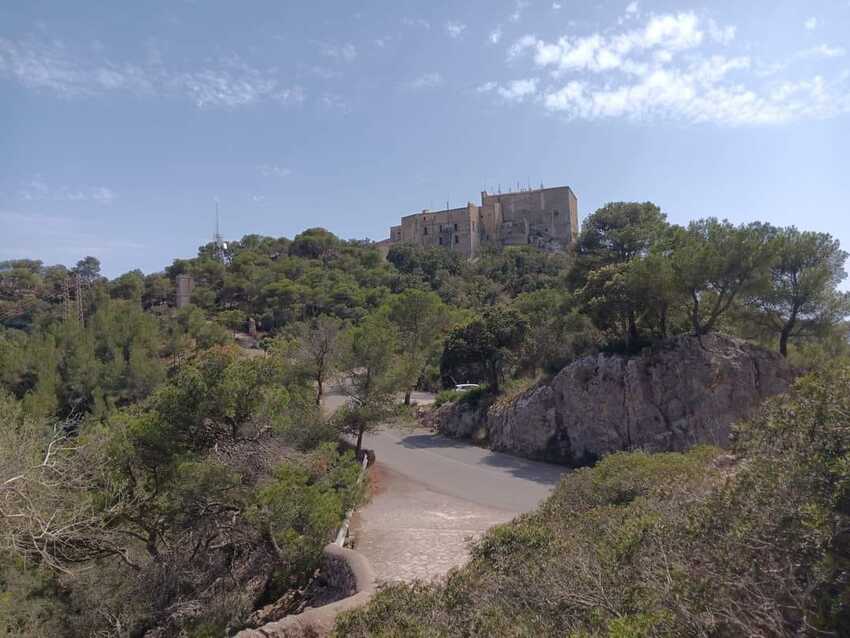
(455, 227)
(425, 230)
(457, 239)
(441, 241)
(556, 213)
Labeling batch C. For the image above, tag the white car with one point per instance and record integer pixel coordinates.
(464, 387)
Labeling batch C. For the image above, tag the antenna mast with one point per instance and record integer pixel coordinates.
(218, 239)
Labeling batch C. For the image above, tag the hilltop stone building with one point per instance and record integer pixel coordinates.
(546, 218)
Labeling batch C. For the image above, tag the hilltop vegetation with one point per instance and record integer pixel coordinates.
(156, 477)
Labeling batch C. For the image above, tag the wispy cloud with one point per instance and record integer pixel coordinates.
(70, 74)
(496, 35)
(455, 29)
(68, 238)
(346, 52)
(514, 91)
(416, 22)
(519, 7)
(671, 67)
(811, 24)
(823, 51)
(37, 190)
(426, 81)
(273, 170)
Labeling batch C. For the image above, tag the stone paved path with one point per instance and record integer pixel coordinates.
(432, 495)
(409, 532)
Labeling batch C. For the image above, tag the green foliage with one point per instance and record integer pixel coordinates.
(446, 396)
(301, 507)
(558, 331)
(67, 368)
(801, 298)
(484, 349)
(31, 604)
(420, 319)
(716, 263)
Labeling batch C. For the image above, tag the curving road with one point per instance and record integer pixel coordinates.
(431, 495)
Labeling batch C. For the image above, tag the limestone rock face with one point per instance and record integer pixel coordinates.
(460, 419)
(679, 393)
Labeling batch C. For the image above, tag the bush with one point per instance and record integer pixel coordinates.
(446, 396)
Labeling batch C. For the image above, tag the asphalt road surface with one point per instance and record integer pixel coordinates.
(462, 470)
(431, 496)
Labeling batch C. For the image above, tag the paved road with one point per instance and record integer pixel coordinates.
(432, 495)
(456, 468)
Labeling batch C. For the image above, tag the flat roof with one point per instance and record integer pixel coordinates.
(437, 212)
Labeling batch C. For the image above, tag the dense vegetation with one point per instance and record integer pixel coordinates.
(695, 544)
(157, 473)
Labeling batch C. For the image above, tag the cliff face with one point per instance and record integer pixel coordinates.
(670, 397)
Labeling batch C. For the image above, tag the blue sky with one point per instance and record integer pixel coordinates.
(121, 124)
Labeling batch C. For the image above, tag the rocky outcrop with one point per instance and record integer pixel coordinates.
(679, 393)
(460, 419)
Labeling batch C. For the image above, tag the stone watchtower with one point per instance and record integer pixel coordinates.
(185, 284)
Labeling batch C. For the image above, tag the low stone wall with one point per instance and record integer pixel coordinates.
(347, 569)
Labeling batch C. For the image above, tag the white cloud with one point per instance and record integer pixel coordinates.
(525, 42)
(416, 22)
(455, 29)
(273, 170)
(556, 6)
(346, 52)
(723, 35)
(597, 52)
(426, 81)
(38, 190)
(670, 68)
(519, 7)
(632, 8)
(823, 51)
(496, 35)
(53, 67)
(697, 94)
(519, 90)
(515, 91)
(811, 23)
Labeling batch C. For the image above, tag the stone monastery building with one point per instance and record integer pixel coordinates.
(544, 217)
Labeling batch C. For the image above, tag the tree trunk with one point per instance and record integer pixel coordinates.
(787, 329)
(633, 330)
(695, 314)
(320, 390)
(359, 441)
(407, 397)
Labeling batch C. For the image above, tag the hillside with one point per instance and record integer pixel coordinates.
(163, 474)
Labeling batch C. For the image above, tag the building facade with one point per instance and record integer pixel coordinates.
(546, 218)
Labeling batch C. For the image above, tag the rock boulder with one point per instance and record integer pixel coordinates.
(681, 392)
